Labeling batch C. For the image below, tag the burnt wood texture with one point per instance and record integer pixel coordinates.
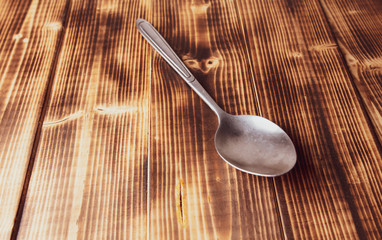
(101, 139)
(30, 33)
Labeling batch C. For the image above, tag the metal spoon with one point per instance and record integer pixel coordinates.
(251, 144)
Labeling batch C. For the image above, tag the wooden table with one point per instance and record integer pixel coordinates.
(100, 138)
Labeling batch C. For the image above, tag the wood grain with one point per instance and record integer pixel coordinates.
(29, 35)
(113, 144)
(194, 194)
(90, 173)
(303, 85)
(358, 28)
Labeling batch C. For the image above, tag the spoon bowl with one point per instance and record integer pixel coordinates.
(254, 145)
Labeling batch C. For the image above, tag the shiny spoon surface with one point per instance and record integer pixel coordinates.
(249, 143)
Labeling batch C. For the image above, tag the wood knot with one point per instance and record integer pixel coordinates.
(200, 8)
(203, 65)
(323, 47)
(17, 36)
(53, 26)
(374, 65)
(296, 54)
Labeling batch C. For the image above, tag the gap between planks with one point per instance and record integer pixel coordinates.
(36, 140)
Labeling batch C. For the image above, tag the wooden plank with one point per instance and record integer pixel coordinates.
(89, 178)
(194, 194)
(358, 28)
(303, 85)
(29, 37)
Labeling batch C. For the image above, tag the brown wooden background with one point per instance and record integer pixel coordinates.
(101, 139)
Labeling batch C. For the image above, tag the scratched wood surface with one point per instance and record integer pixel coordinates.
(101, 139)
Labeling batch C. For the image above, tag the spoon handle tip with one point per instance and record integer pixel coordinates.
(163, 48)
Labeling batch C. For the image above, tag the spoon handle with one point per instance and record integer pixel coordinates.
(159, 43)
(163, 48)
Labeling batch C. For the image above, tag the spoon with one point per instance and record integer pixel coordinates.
(249, 143)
